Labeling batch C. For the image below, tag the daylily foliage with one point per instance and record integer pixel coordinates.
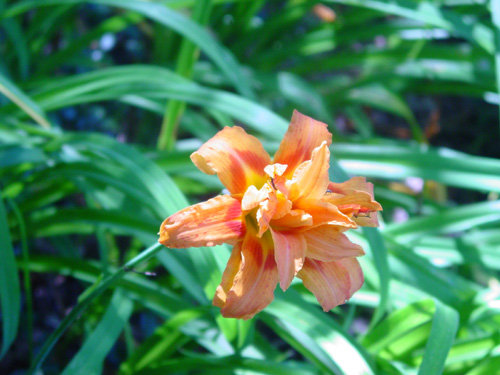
(283, 216)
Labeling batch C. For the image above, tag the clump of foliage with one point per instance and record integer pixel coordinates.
(101, 104)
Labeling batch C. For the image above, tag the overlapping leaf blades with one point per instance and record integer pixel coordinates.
(424, 318)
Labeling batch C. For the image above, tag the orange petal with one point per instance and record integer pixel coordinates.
(237, 157)
(352, 185)
(249, 280)
(253, 197)
(358, 205)
(355, 274)
(303, 136)
(289, 253)
(275, 207)
(367, 221)
(325, 213)
(356, 185)
(275, 170)
(218, 220)
(265, 213)
(333, 283)
(294, 219)
(310, 179)
(353, 198)
(283, 207)
(232, 268)
(327, 243)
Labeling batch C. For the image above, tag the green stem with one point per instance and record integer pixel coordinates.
(88, 296)
(188, 56)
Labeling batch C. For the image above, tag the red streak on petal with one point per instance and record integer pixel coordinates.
(270, 262)
(233, 219)
(236, 227)
(234, 210)
(257, 253)
(239, 177)
(257, 161)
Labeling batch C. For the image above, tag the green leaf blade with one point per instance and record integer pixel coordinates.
(10, 293)
(443, 332)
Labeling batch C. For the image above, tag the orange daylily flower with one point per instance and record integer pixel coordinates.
(284, 218)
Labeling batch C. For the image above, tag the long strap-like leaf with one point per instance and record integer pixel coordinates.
(9, 285)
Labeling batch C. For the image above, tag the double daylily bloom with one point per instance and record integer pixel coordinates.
(284, 217)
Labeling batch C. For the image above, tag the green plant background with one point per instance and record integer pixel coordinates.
(101, 104)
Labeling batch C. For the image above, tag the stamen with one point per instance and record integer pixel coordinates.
(362, 214)
(272, 183)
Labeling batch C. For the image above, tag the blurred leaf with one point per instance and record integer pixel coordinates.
(391, 161)
(397, 326)
(317, 336)
(361, 121)
(449, 220)
(84, 220)
(431, 14)
(303, 95)
(380, 257)
(111, 25)
(28, 291)
(447, 286)
(186, 59)
(175, 20)
(495, 15)
(151, 178)
(156, 297)
(11, 91)
(83, 303)
(90, 358)
(130, 83)
(378, 96)
(471, 352)
(10, 294)
(161, 344)
(489, 366)
(229, 365)
(15, 33)
(10, 156)
(443, 332)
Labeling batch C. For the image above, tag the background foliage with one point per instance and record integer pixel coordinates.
(102, 103)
